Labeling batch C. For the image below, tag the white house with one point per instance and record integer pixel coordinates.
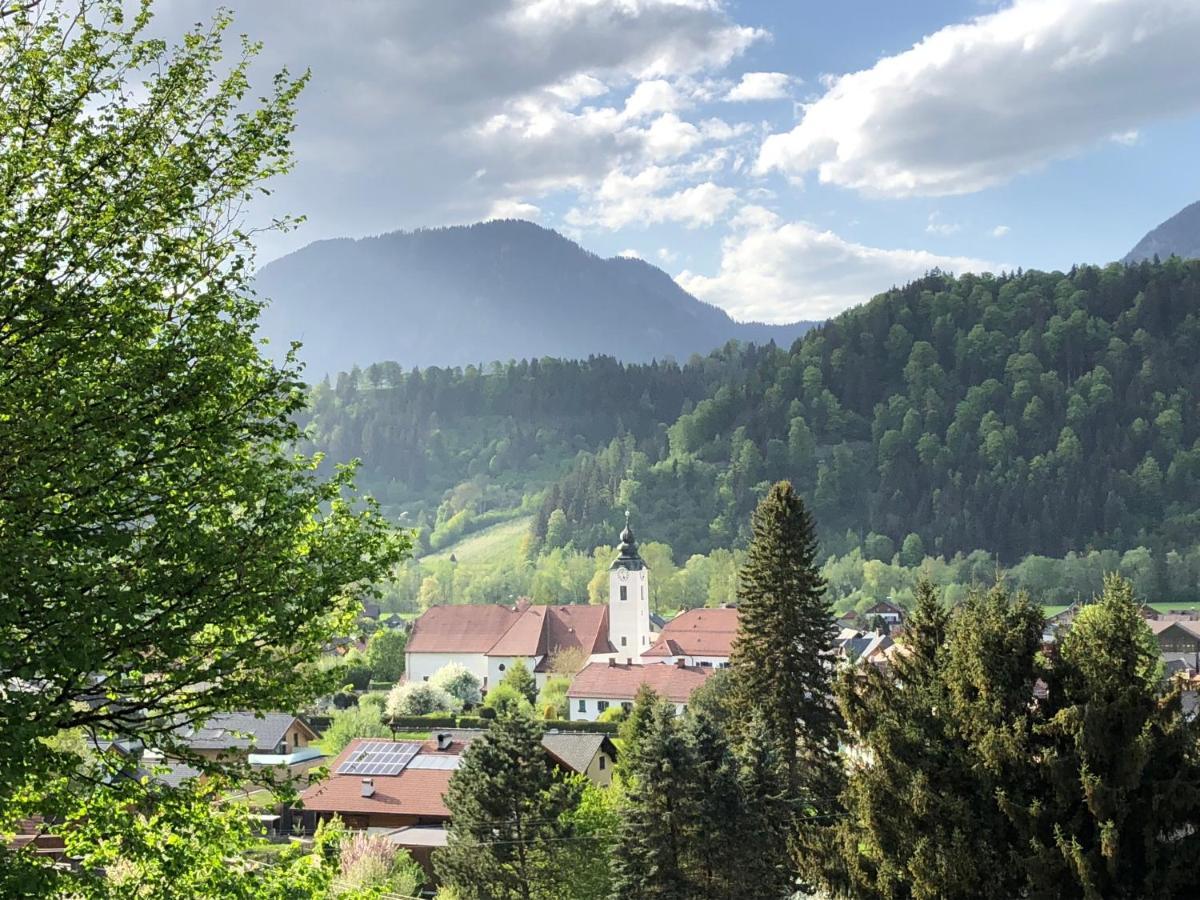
(600, 686)
(697, 637)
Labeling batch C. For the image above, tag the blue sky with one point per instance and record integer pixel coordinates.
(783, 160)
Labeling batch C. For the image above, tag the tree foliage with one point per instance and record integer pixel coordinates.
(159, 532)
(510, 818)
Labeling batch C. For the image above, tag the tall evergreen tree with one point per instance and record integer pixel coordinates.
(510, 831)
(761, 831)
(781, 658)
(651, 853)
(934, 742)
(1119, 815)
(718, 840)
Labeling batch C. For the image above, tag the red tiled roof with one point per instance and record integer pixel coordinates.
(460, 629)
(697, 632)
(526, 636)
(621, 682)
(504, 631)
(585, 627)
(415, 792)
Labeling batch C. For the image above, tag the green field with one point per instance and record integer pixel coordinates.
(495, 544)
(1053, 610)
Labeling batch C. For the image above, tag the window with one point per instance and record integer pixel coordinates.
(601, 705)
(622, 640)
(603, 762)
(706, 663)
(624, 593)
(643, 639)
(426, 678)
(501, 667)
(627, 706)
(583, 706)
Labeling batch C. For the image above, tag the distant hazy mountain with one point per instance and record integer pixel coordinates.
(1178, 236)
(495, 291)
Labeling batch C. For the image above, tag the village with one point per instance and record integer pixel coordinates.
(395, 787)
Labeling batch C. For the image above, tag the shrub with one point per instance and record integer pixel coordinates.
(552, 701)
(487, 712)
(519, 678)
(612, 714)
(344, 700)
(458, 681)
(374, 866)
(350, 724)
(507, 700)
(416, 698)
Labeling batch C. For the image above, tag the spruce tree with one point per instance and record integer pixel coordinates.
(761, 831)
(781, 657)
(718, 841)
(1119, 813)
(651, 854)
(509, 830)
(933, 743)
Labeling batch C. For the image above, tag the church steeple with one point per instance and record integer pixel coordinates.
(627, 551)
(628, 600)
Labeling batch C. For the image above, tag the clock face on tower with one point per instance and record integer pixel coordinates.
(622, 575)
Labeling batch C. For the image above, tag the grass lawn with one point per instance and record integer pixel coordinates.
(497, 543)
(1055, 609)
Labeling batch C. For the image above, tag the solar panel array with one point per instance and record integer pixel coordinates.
(379, 758)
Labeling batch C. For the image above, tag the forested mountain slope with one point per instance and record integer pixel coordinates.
(1178, 236)
(1032, 413)
(498, 290)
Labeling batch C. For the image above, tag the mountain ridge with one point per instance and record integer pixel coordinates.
(497, 290)
(1177, 236)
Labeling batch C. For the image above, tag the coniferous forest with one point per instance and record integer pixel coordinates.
(1030, 413)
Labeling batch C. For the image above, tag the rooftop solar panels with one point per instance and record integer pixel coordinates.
(379, 758)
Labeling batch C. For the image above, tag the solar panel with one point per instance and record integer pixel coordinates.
(379, 758)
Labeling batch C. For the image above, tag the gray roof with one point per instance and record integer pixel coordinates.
(242, 731)
(574, 749)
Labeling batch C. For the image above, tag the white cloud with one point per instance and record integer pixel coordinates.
(426, 113)
(760, 86)
(666, 255)
(645, 198)
(513, 209)
(1127, 138)
(630, 254)
(973, 105)
(775, 271)
(936, 225)
(1000, 231)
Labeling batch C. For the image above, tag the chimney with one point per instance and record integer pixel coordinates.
(368, 787)
(612, 662)
(444, 740)
(679, 663)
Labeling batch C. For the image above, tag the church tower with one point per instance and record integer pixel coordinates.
(629, 600)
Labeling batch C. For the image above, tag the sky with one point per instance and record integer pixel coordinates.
(782, 159)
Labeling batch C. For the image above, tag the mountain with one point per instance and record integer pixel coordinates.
(505, 289)
(1178, 236)
(1031, 413)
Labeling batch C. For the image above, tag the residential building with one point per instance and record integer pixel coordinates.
(600, 686)
(697, 637)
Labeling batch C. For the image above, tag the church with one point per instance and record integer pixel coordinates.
(488, 639)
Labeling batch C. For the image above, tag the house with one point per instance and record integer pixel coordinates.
(579, 752)
(885, 610)
(601, 685)
(379, 783)
(1178, 639)
(698, 637)
(487, 640)
(278, 741)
